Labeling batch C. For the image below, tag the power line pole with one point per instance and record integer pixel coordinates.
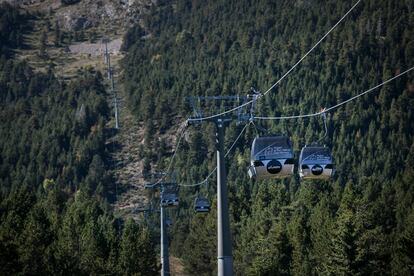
(115, 101)
(110, 77)
(107, 59)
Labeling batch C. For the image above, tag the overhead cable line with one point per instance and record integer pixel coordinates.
(314, 46)
(212, 172)
(284, 76)
(182, 129)
(322, 112)
(335, 106)
(235, 141)
(251, 101)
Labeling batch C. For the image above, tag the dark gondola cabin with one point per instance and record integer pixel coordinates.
(169, 200)
(316, 162)
(271, 157)
(201, 205)
(169, 197)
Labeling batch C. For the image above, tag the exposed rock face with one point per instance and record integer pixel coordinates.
(92, 13)
(74, 23)
(47, 4)
(19, 2)
(87, 14)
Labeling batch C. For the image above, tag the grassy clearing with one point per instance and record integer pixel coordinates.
(42, 50)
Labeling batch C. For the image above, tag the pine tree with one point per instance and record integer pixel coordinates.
(136, 254)
(43, 44)
(403, 259)
(57, 34)
(342, 259)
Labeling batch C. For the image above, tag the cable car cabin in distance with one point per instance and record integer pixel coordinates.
(271, 157)
(202, 205)
(316, 162)
(169, 200)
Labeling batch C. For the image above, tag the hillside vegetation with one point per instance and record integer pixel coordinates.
(361, 222)
(60, 162)
(55, 185)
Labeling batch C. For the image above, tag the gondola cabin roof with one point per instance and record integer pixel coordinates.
(201, 201)
(315, 155)
(202, 205)
(271, 147)
(169, 195)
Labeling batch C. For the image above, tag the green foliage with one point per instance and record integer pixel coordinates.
(54, 187)
(200, 243)
(133, 34)
(136, 252)
(13, 23)
(356, 224)
(54, 212)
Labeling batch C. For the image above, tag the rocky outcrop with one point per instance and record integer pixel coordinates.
(87, 14)
(90, 13)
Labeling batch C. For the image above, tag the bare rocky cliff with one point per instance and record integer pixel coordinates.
(86, 14)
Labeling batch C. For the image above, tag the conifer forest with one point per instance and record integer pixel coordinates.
(61, 209)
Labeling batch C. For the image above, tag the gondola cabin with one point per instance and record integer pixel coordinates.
(201, 205)
(316, 162)
(271, 157)
(169, 200)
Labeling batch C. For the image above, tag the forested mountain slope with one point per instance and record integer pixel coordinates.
(55, 185)
(361, 222)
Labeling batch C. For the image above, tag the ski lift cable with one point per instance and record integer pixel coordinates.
(267, 91)
(283, 77)
(314, 46)
(182, 129)
(255, 127)
(322, 112)
(212, 172)
(235, 141)
(325, 125)
(325, 110)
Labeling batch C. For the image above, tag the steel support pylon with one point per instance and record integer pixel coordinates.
(224, 242)
(165, 262)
